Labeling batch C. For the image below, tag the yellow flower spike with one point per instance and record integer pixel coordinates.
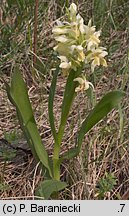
(83, 84)
(78, 42)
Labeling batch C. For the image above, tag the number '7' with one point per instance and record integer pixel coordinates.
(123, 205)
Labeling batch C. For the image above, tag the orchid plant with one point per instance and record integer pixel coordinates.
(77, 44)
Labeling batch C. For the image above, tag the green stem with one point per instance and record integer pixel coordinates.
(56, 163)
(68, 98)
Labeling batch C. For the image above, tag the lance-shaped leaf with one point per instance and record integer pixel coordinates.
(105, 105)
(68, 98)
(17, 93)
(50, 104)
(48, 187)
(73, 152)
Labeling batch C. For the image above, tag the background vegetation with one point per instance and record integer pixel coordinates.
(101, 170)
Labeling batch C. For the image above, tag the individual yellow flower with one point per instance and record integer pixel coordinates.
(74, 32)
(97, 58)
(83, 84)
(65, 64)
(93, 40)
(72, 12)
(63, 49)
(60, 29)
(78, 52)
(89, 29)
(80, 22)
(62, 38)
(92, 37)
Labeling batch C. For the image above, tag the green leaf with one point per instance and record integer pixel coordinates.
(91, 96)
(69, 95)
(50, 104)
(106, 104)
(68, 98)
(48, 187)
(18, 96)
(69, 154)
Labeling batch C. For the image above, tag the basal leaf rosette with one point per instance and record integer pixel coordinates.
(77, 43)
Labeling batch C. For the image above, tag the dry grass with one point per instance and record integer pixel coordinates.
(104, 150)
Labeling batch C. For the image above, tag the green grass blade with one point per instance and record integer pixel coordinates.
(121, 123)
(106, 104)
(50, 104)
(18, 95)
